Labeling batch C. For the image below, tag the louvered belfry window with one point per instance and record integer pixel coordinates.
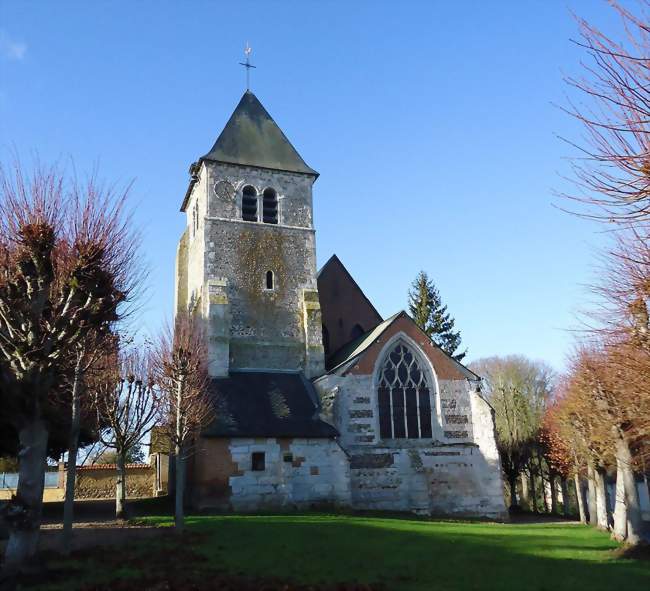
(270, 206)
(404, 397)
(249, 204)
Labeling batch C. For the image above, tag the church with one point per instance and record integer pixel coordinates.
(319, 401)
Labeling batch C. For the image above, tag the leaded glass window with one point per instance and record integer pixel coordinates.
(404, 399)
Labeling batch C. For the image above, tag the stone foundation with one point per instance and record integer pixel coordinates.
(297, 474)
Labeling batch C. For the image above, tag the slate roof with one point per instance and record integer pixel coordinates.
(252, 138)
(266, 404)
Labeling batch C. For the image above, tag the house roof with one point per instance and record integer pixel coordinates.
(352, 351)
(252, 138)
(266, 404)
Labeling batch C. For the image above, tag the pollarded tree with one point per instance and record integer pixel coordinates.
(615, 372)
(85, 367)
(428, 312)
(181, 368)
(67, 267)
(127, 403)
(558, 457)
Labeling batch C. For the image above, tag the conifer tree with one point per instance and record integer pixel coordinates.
(426, 309)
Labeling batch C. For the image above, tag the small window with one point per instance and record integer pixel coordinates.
(249, 204)
(270, 207)
(258, 461)
(288, 458)
(270, 280)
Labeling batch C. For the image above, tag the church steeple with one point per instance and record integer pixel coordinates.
(252, 138)
(247, 261)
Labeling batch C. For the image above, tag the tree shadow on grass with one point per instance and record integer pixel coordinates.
(398, 554)
(419, 555)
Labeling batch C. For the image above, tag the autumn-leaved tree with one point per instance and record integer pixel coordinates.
(181, 364)
(66, 269)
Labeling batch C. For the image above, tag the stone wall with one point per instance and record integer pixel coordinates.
(455, 472)
(265, 328)
(99, 481)
(298, 473)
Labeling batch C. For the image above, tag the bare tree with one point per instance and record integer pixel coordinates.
(67, 267)
(181, 367)
(518, 389)
(612, 173)
(88, 355)
(127, 404)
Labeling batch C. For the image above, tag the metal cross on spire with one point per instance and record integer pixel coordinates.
(247, 64)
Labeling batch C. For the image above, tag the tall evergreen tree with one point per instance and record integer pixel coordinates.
(425, 307)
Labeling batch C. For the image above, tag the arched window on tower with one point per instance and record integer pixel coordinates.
(270, 206)
(270, 280)
(404, 397)
(249, 204)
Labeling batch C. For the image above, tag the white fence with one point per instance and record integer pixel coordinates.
(10, 480)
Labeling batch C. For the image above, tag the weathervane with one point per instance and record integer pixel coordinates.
(247, 64)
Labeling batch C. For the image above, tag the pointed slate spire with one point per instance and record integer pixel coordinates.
(252, 138)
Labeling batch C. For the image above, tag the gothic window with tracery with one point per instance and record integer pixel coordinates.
(404, 397)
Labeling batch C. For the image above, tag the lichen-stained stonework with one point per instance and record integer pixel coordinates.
(275, 328)
(455, 472)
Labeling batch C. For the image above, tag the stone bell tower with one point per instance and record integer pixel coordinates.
(247, 259)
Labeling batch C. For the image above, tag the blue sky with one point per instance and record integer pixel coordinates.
(432, 124)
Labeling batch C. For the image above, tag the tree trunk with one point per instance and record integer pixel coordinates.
(120, 491)
(71, 472)
(179, 514)
(533, 493)
(601, 499)
(580, 498)
(525, 503)
(591, 495)
(513, 491)
(24, 515)
(565, 496)
(179, 517)
(553, 484)
(620, 506)
(542, 483)
(634, 517)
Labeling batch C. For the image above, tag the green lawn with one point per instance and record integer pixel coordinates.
(398, 553)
